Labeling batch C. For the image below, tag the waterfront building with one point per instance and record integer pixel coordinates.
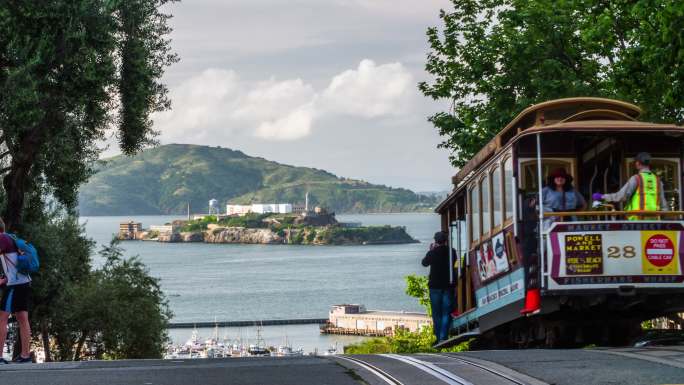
(238, 209)
(162, 229)
(129, 230)
(284, 208)
(259, 208)
(355, 319)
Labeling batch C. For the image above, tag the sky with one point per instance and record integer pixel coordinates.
(330, 84)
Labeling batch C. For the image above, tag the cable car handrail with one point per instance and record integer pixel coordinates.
(612, 213)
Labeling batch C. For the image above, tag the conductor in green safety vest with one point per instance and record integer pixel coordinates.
(642, 192)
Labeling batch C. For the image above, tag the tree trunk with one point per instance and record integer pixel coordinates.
(79, 346)
(46, 341)
(16, 181)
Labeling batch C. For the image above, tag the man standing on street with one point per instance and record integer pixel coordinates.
(440, 284)
(16, 296)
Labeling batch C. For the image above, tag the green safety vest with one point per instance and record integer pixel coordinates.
(647, 195)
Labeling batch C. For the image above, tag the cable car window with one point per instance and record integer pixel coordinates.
(496, 197)
(667, 170)
(486, 213)
(475, 214)
(529, 172)
(508, 192)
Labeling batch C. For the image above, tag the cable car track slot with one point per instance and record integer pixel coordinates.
(381, 374)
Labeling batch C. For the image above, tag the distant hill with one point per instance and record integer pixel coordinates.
(162, 180)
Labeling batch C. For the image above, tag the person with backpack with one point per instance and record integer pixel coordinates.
(16, 294)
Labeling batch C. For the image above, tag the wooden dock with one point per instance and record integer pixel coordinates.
(272, 322)
(331, 329)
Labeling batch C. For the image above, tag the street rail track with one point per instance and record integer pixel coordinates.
(483, 367)
(442, 374)
(381, 374)
(432, 369)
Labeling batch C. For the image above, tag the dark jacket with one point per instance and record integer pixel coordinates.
(438, 260)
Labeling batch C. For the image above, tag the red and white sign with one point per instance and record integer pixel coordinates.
(659, 250)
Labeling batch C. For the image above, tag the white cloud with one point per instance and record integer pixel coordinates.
(371, 90)
(272, 99)
(217, 103)
(200, 105)
(295, 125)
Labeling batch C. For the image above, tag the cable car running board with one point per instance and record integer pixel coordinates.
(457, 339)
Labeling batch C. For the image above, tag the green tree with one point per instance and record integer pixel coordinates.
(120, 312)
(417, 287)
(493, 58)
(70, 70)
(65, 261)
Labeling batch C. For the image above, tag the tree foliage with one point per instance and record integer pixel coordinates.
(493, 58)
(117, 311)
(70, 71)
(417, 287)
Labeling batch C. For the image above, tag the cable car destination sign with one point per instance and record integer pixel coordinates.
(584, 255)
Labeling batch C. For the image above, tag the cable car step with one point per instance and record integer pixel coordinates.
(457, 339)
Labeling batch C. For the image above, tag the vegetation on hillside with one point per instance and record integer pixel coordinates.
(302, 234)
(251, 220)
(493, 58)
(163, 180)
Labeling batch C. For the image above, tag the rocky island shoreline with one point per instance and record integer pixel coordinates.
(268, 229)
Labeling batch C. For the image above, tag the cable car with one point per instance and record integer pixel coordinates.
(593, 276)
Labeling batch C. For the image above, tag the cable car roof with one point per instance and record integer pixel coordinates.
(581, 114)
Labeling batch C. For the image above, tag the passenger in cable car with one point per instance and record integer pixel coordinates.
(643, 191)
(560, 195)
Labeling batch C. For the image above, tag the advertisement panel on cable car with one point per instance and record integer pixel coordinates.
(492, 259)
(586, 255)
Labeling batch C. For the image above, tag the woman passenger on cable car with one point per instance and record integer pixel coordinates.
(560, 195)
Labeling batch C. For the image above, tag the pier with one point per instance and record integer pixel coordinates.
(272, 322)
(354, 319)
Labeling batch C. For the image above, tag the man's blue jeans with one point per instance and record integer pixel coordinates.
(441, 301)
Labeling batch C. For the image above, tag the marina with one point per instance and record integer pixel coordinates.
(250, 342)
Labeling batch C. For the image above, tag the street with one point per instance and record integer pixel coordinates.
(629, 366)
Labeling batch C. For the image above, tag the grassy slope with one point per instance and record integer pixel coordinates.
(165, 178)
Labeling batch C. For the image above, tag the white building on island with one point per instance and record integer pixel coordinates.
(238, 209)
(259, 208)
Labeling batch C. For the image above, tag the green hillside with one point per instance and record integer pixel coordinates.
(164, 179)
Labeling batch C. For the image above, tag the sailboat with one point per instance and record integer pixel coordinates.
(286, 350)
(258, 349)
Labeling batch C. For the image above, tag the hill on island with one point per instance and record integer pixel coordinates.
(162, 180)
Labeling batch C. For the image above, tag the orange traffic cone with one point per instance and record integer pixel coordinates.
(532, 302)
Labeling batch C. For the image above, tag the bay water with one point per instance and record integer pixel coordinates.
(228, 282)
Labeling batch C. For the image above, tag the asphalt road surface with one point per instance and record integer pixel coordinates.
(662, 365)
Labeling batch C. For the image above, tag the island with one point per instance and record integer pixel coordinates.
(309, 228)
